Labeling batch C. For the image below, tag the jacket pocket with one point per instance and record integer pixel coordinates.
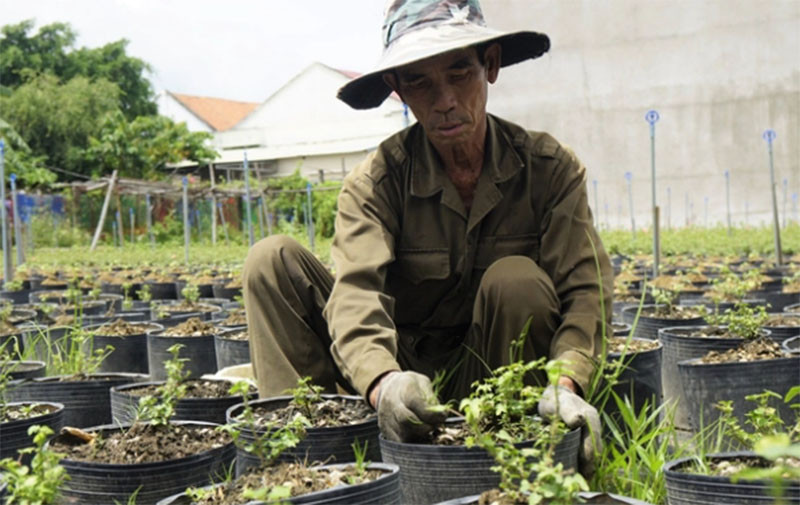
(420, 265)
(491, 249)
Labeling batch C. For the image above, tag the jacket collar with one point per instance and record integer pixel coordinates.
(501, 159)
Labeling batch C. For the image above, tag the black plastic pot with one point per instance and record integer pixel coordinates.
(131, 317)
(647, 327)
(781, 333)
(13, 345)
(210, 410)
(383, 490)
(596, 499)
(776, 300)
(175, 320)
(24, 369)
(38, 340)
(229, 351)
(220, 291)
(18, 297)
(792, 345)
(795, 307)
(14, 434)
(20, 315)
(162, 290)
(680, 347)
(106, 484)
(434, 473)
(129, 353)
(706, 384)
(694, 489)
(113, 301)
(86, 402)
(640, 381)
(198, 350)
(329, 444)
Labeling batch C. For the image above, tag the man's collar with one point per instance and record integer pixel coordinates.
(500, 159)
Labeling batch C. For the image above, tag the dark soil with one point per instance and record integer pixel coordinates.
(192, 327)
(325, 413)
(450, 434)
(729, 466)
(122, 328)
(236, 335)
(710, 332)
(794, 309)
(783, 320)
(677, 312)
(754, 350)
(27, 411)
(299, 478)
(7, 328)
(236, 318)
(195, 388)
(234, 283)
(187, 306)
(497, 497)
(617, 345)
(142, 443)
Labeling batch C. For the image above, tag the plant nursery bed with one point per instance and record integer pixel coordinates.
(195, 388)
(193, 327)
(122, 328)
(300, 480)
(324, 413)
(141, 443)
(619, 344)
(754, 350)
(16, 412)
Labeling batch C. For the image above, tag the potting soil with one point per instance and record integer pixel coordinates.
(753, 350)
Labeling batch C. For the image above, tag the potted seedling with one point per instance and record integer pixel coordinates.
(782, 325)
(197, 337)
(766, 471)
(152, 458)
(189, 304)
(272, 478)
(37, 483)
(755, 364)
(232, 347)
(336, 421)
(663, 313)
(126, 342)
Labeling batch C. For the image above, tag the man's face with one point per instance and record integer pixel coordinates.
(447, 93)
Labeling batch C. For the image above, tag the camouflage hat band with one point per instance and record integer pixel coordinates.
(418, 29)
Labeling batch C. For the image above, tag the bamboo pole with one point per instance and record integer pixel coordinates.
(103, 212)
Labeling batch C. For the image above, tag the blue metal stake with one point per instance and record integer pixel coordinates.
(652, 117)
(17, 225)
(7, 267)
(132, 219)
(247, 202)
(728, 200)
(769, 136)
(629, 178)
(119, 227)
(114, 232)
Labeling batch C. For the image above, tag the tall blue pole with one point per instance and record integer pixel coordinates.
(769, 136)
(652, 117)
(247, 202)
(17, 225)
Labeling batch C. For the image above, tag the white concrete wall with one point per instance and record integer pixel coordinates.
(331, 164)
(173, 109)
(718, 71)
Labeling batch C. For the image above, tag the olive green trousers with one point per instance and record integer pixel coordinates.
(286, 288)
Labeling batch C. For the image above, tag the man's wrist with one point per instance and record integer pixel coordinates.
(568, 383)
(374, 391)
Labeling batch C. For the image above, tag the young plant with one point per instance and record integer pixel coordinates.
(305, 395)
(191, 293)
(72, 354)
(268, 440)
(744, 321)
(159, 408)
(127, 301)
(39, 483)
(361, 463)
(785, 457)
(144, 293)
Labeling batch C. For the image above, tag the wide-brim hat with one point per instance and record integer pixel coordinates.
(418, 29)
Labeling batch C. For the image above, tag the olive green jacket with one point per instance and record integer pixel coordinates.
(408, 254)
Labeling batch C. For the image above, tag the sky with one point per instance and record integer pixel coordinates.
(234, 49)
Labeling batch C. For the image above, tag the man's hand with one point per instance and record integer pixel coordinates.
(575, 412)
(404, 400)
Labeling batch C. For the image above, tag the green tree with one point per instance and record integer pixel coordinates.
(20, 160)
(56, 120)
(140, 148)
(24, 56)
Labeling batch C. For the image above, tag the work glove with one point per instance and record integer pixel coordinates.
(404, 402)
(575, 412)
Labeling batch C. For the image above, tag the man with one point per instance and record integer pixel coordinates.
(449, 238)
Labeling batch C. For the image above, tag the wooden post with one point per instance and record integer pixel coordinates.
(103, 212)
(265, 210)
(119, 218)
(132, 216)
(224, 224)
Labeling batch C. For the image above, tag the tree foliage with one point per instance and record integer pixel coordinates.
(140, 148)
(56, 120)
(20, 160)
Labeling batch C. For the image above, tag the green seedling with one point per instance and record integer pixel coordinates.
(191, 293)
(744, 321)
(158, 409)
(144, 293)
(73, 354)
(779, 450)
(305, 395)
(39, 483)
(268, 439)
(361, 463)
(127, 301)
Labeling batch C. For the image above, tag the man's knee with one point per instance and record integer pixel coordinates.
(266, 257)
(518, 279)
